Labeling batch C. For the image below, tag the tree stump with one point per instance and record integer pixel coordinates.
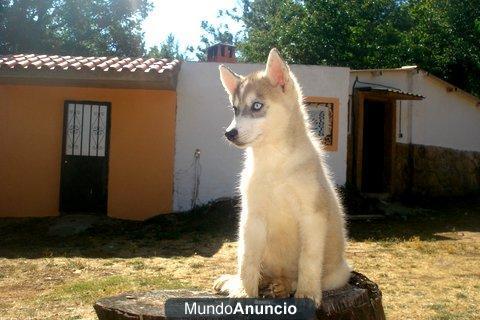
(360, 299)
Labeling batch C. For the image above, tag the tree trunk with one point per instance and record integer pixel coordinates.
(360, 299)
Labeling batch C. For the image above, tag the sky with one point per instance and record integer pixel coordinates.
(183, 18)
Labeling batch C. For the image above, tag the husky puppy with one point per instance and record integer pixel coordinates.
(291, 235)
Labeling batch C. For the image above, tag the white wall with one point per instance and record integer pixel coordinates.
(443, 119)
(202, 116)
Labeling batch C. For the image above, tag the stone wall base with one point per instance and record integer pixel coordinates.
(435, 171)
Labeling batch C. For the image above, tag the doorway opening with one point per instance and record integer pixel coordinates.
(378, 135)
(84, 175)
(371, 142)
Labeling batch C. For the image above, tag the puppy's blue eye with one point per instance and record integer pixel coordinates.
(256, 106)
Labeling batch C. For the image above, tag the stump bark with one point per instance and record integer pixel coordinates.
(360, 299)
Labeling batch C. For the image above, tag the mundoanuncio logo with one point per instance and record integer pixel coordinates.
(225, 308)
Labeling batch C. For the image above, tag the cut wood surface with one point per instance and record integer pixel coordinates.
(360, 299)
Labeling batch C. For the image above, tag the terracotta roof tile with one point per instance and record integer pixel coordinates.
(90, 65)
(107, 64)
(37, 63)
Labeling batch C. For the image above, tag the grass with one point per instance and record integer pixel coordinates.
(88, 290)
(425, 260)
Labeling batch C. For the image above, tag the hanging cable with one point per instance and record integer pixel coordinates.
(196, 178)
(400, 133)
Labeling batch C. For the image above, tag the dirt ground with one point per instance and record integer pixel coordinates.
(425, 260)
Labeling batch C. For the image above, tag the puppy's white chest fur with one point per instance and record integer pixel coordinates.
(271, 195)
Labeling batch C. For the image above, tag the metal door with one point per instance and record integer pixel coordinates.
(84, 174)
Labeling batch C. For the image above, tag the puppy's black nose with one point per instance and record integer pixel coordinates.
(232, 134)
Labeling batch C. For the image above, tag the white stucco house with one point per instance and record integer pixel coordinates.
(393, 131)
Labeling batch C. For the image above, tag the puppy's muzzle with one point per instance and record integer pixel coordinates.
(232, 135)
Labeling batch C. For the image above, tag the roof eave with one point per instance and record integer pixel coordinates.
(426, 73)
(451, 86)
(392, 94)
(401, 69)
(167, 80)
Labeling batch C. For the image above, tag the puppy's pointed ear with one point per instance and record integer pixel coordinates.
(230, 79)
(277, 70)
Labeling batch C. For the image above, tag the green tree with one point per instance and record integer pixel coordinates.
(441, 36)
(76, 27)
(445, 40)
(336, 32)
(169, 49)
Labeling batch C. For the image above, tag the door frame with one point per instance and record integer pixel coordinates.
(357, 139)
(64, 141)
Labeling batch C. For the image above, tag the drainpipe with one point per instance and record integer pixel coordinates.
(353, 135)
(411, 160)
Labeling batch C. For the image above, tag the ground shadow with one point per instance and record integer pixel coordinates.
(204, 230)
(201, 231)
(426, 220)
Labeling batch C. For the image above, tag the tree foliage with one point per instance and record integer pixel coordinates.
(441, 36)
(74, 27)
(168, 49)
(445, 40)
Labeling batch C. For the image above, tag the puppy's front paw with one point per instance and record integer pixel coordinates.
(315, 296)
(225, 284)
(230, 285)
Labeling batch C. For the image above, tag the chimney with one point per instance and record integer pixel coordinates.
(221, 52)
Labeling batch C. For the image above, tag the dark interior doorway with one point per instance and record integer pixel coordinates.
(372, 166)
(84, 176)
(377, 142)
